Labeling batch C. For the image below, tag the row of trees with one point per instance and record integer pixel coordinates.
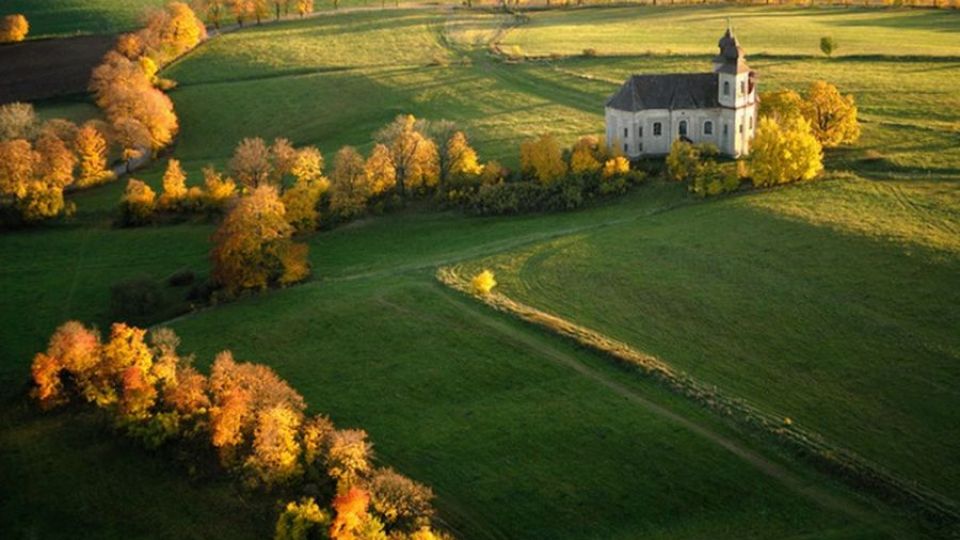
(125, 83)
(13, 28)
(243, 417)
(39, 160)
(216, 11)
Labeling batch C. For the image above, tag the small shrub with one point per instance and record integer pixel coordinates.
(136, 298)
(483, 283)
(828, 45)
(590, 53)
(181, 278)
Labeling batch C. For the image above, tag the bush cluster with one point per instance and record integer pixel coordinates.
(242, 417)
(696, 164)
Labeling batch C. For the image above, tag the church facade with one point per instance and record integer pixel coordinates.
(650, 112)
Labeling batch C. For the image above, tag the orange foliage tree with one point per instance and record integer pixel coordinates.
(91, 147)
(252, 246)
(413, 155)
(13, 28)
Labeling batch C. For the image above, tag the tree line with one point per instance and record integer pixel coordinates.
(788, 145)
(38, 161)
(243, 419)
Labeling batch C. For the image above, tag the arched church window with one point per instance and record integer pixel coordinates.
(726, 88)
(683, 128)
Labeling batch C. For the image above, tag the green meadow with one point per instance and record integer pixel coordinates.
(833, 303)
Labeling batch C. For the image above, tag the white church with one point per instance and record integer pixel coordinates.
(649, 112)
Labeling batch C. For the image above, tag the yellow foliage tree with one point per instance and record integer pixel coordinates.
(18, 163)
(785, 153)
(781, 105)
(217, 189)
(276, 451)
(174, 186)
(349, 187)
(57, 162)
(414, 156)
(302, 520)
(381, 175)
(91, 147)
(483, 283)
(616, 166)
(138, 202)
(13, 28)
(348, 456)
(304, 7)
(252, 246)
(308, 165)
(832, 116)
(583, 158)
(461, 157)
(682, 161)
(542, 159)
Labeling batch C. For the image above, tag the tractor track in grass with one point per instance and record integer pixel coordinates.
(768, 467)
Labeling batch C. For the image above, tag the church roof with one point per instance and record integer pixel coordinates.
(673, 91)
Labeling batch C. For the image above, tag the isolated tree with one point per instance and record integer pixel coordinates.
(832, 116)
(413, 156)
(18, 121)
(91, 148)
(174, 186)
(138, 203)
(781, 105)
(828, 45)
(250, 163)
(483, 283)
(784, 153)
(584, 156)
(381, 174)
(542, 159)
(13, 28)
(252, 246)
(349, 188)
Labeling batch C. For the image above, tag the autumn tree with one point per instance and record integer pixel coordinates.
(403, 503)
(381, 174)
(682, 161)
(301, 202)
(91, 148)
(138, 203)
(781, 105)
(63, 129)
(585, 157)
(348, 456)
(74, 349)
(460, 158)
(307, 165)
(18, 163)
(174, 186)
(542, 159)
(276, 449)
(18, 121)
(352, 520)
(615, 166)
(13, 28)
(252, 246)
(349, 188)
(250, 163)
(218, 190)
(130, 45)
(172, 31)
(302, 520)
(213, 10)
(304, 7)
(483, 283)
(133, 137)
(413, 155)
(784, 153)
(832, 116)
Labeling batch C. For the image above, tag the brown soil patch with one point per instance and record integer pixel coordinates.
(44, 68)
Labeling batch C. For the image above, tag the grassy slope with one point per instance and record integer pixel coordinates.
(501, 105)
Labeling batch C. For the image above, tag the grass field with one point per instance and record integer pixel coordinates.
(830, 302)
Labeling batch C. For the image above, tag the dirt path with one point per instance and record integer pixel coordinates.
(788, 479)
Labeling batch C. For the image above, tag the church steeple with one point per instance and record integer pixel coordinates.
(731, 58)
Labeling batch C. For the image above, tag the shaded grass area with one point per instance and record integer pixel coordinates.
(851, 335)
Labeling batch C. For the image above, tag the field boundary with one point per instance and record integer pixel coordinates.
(837, 461)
